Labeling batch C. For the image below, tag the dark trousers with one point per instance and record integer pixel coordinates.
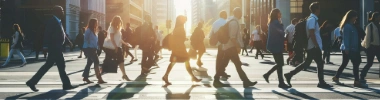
(53, 57)
(99, 51)
(126, 50)
(372, 51)
(279, 59)
(219, 68)
(92, 58)
(258, 47)
(355, 59)
(312, 54)
(38, 53)
(326, 53)
(233, 55)
(244, 49)
(147, 59)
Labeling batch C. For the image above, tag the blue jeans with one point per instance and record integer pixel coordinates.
(11, 53)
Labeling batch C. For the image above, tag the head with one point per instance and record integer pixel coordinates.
(92, 25)
(180, 20)
(200, 24)
(117, 23)
(238, 13)
(275, 14)
(315, 8)
(294, 21)
(128, 25)
(223, 14)
(58, 11)
(375, 17)
(257, 27)
(350, 17)
(16, 28)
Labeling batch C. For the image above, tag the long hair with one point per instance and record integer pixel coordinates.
(180, 22)
(349, 15)
(117, 23)
(273, 15)
(93, 25)
(325, 24)
(16, 28)
(374, 16)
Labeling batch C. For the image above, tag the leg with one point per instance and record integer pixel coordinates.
(278, 58)
(356, 60)
(371, 53)
(318, 59)
(9, 57)
(60, 60)
(37, 53)
(189, 70)
(219, 68)
(41, 72)
(144, 62)
(21, 56)
(343, 65)
(307, 62)
(87, 67)
(233, 55)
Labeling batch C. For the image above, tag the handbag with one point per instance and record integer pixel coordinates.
(110, 66)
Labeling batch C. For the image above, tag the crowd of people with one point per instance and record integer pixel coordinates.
(302, 36)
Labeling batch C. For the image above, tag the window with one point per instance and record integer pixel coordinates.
(296, 6)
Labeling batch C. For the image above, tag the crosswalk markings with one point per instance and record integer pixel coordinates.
(183, 82)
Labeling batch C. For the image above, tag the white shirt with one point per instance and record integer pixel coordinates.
(216, 25)
(255, 35)
(289, 31)
(312, 23)
(159, 36)
(117, 36)
(337, 32)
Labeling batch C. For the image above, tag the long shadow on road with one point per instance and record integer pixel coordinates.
(123, 93)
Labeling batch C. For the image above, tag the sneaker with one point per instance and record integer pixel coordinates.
(249, 84)
(23, 64)
(359, 85)
(288, 78)
(202, 69)
(283, 86)
(336, 80)
(324, 85)
(218, 84)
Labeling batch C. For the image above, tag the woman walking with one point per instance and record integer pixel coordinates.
(113, 45)
(275, 45)
(372, 44)
(179, 53)
(79, 41)
(18, 37)
(350, 47)
(246, 37)
(326, 30)
(90, 46)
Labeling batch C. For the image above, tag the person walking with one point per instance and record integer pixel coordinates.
(314, 47)
(126, 34)
(18, 37)
(372, 44)
(179, 53)
(219, 56)
(157, 45)
(54, 39)
(113, 45)
(38, 41)
(289, 32)
(246, 41)
(197, 42)
(326, 30)
(350, 47)
(258, 43)
(148, 39)
(101, 36)
(90, 45)
(79, 41)
(275, 45)
(231, 51)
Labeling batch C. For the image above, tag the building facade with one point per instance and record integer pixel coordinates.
(92, 9)
(73, 10)
(164, 10)
(203, 10)
(130, 11)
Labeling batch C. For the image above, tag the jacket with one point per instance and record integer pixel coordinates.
(370, 38)
(276, 33)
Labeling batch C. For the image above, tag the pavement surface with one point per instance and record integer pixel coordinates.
(13, 78)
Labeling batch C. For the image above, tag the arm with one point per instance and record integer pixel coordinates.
(346, 38)
(311, 29)
(17, 35)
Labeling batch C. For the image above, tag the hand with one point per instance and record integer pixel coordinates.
(346, 51)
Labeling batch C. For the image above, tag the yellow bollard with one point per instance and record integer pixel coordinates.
(4, 48)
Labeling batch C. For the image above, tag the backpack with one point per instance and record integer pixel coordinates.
(165, 42)
(300, 39)
(223, 35)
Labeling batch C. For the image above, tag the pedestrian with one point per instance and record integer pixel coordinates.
(197, 43)
(314, 47)
(54, 38)
(231, 50)
(275, 45)
(299, 51)
(90, 45)
(337, 40)
(179, 53)
(157, 45)
(289, 32)
(258, 43)
(126, 34)
(18, 37)
(245, 38)
(101, 36)
(79, 41)
(350, 47)
(372, 44)
(326, 30)
(38, 40)
(215, 27)
(113, 45)
(148, 39)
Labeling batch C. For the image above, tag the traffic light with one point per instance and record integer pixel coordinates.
(168, 23)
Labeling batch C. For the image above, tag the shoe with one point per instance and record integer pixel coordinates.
(336, 80)
(288, 78)
(225, 75)
(266, 77)
(202, 69)
(69, 87)
(199, 63)
(165, 79)
(22, 65)
(359, 85)
(249, 84)
(125, 77)
(256, 57)
(79, 56)
(86, 80)
(196, 79)
(32, 87)
(247, 54)
(101, 82)
(262, 57)
(217, 84)
(363, 81)
(283, 86)
(329, 63)
(324, 85)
